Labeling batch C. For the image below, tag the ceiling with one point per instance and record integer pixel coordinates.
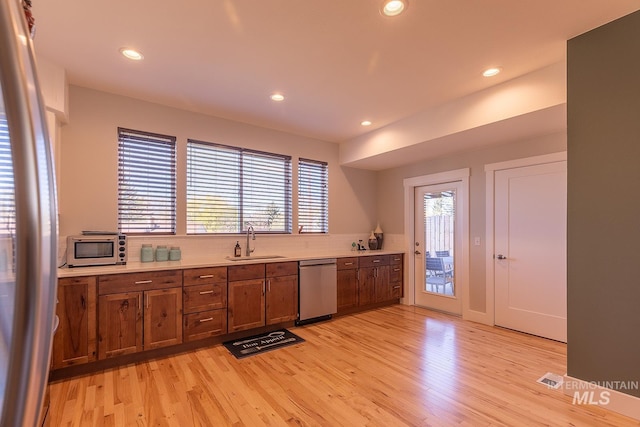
(337, 62)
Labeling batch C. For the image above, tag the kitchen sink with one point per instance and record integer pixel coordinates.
(249, 258)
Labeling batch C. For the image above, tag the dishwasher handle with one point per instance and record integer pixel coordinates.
(325, 261)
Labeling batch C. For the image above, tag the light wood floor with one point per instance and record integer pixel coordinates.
(395, 366)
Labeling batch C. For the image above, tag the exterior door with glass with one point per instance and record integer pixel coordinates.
(438, 237)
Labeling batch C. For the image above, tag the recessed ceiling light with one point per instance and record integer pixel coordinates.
(490, 72)
(365, 123)
(277, 97)
(393, 7)
(131, 54)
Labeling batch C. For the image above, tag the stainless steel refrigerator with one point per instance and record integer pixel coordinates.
(28, 228)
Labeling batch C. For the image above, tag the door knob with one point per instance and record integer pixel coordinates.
(500, 256)
(417, 252)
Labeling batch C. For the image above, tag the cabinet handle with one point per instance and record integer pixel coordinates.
(396, 287)
(142, 282)
(348, 263)
(396, 269)
(147, 304)
(358, 275)
(139, 298)
(206, 292)
(396, 259)
(375, 272)
(208, 319)
(263, 287)
(376, 260)
(206, 276)
(269, 284)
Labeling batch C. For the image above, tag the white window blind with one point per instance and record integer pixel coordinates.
(228, 187)
(7, 188)
(313, 196)
(146, 182)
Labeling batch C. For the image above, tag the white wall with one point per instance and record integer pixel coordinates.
(390, 195)
(88, 160)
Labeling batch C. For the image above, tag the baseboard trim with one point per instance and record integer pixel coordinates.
(477, 316)
(590, 393)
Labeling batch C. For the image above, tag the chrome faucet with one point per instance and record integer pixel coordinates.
(253, 234)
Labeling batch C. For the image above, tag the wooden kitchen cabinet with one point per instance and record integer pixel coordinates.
(162, 318)
(75, 340)
(374, 285)
(119, 324)
(246, 305)
(139, 311)
(282, 292)
(396, 276)
(262, 295)
(347, 281)
(204, 302)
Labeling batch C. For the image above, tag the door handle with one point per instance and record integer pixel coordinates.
(500, 256)
(417, 252)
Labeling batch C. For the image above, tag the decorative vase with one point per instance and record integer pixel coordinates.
(379, 236)
(373, 242)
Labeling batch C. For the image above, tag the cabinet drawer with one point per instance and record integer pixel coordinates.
(374, 261)
(282, 269)
(133, 282)
(395, 259)
(199, 276)
(204, 297)
(245, 272)
(395, 275)
(396, 290)
(347, 263)
(205, 324)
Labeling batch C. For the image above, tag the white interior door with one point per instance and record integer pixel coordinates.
(438, 246)
(530, 249)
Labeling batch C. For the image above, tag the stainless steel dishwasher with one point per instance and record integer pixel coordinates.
(318, 291)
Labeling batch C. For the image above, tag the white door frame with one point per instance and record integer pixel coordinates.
(490, 170)
(409, 229)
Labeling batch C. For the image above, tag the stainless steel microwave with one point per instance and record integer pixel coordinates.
(96, 249)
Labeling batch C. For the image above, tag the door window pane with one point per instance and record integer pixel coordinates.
(439, 215)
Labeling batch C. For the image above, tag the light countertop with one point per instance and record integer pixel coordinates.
(208, 261)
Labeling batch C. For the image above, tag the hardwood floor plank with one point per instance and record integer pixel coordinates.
(394, 366)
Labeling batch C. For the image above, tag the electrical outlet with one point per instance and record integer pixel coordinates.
(476, 241)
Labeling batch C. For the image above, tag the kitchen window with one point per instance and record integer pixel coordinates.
(7, 189)
(231, 187)
(313, 196)
(146, 182)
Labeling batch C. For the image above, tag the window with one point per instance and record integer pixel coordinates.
(228, 187)
(313, 196)
(146, 182)
(7, 190)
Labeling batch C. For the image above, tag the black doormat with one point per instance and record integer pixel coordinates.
(263, 342)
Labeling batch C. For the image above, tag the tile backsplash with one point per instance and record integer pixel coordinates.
(265, 244)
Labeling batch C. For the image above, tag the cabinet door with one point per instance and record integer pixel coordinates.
(120, 324)
(162, 318)
(383, 287)
(75, 341)
(367, 286)
(246, 307)
(347, 289)
(282, 299)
